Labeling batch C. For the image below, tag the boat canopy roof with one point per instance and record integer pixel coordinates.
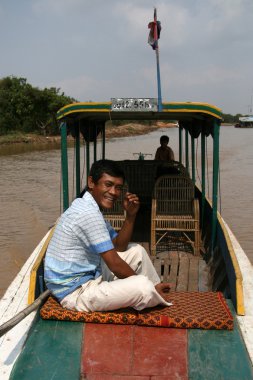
(193, 116)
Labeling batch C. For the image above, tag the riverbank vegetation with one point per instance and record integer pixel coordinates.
(112, 131)
(26, 109)
(28, 114)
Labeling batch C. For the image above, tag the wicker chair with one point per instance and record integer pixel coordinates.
(140, 176)
(116, 215)
(174, 211)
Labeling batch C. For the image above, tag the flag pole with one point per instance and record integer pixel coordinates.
(160, 108)
(154, 35)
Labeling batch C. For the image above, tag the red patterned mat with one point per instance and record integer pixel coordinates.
(190, 310)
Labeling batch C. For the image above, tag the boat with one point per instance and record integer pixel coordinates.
(245, 122)
(203, 258)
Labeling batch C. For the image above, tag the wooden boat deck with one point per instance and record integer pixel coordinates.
(72, 350)
(184, 271)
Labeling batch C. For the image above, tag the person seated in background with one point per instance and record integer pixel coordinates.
(164, 152)
(88, 265)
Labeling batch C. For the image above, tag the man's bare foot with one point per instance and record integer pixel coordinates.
(163, 289)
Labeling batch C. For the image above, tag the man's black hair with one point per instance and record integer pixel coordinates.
(101, 167)
(164, 138)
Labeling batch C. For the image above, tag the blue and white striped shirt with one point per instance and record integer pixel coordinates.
(73, 254)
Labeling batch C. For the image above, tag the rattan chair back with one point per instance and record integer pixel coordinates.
(174, 211)
(117, 215)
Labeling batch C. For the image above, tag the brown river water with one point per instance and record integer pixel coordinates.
(30, 189)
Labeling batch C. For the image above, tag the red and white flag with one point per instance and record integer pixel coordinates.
(154, 34)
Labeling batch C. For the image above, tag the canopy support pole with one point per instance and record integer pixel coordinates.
(103, 141)
(95, 145)
(77, 134)
(203, 176)
(180, 131)
(186, 151)
(64, 166)
(215, 181)
(193, 159)
(87, 160)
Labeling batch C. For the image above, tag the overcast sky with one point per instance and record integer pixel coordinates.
(97, 49)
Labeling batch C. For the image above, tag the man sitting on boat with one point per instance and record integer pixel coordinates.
(91, 267)
(164, 152)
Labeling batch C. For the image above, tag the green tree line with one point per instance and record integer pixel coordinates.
(24, 108)
(231, 119)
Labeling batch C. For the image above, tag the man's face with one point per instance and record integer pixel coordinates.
(106, 191)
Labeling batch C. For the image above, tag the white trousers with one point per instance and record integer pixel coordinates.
(108, 292)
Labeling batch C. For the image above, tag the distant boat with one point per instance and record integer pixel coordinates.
(245, 122)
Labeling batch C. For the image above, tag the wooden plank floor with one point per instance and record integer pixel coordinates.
(184, 271)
